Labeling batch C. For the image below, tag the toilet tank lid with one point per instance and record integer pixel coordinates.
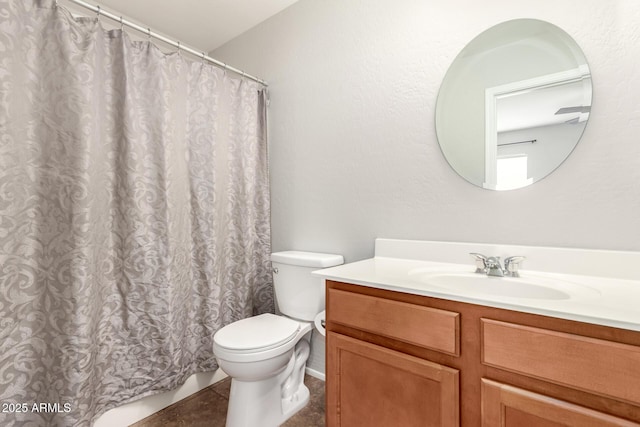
(307, 259)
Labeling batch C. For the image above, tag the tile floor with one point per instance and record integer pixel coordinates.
(208, 408)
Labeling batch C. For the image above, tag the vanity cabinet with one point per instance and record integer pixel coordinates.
(398, 359)
(507, 406)
(372, 383)
(382, 387)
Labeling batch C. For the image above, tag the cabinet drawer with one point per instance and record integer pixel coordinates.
(422, 326)
(507, 406)
(598, 366)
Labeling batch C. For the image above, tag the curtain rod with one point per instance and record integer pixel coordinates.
(176, 44)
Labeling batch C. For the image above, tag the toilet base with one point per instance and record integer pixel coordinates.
(271, 401)
(298, 401)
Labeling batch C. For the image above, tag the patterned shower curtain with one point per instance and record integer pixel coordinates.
(134, 215)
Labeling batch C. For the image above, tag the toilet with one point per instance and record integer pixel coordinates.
(265, 355)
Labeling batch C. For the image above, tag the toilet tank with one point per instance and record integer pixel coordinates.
(299, 294)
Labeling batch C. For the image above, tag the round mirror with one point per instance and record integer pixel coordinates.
(513, 104)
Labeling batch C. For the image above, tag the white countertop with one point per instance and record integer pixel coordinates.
(614, 301)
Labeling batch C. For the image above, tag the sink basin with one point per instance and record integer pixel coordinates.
(528, 287)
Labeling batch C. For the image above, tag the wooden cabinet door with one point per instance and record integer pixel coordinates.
(369, 385)
(507, 406)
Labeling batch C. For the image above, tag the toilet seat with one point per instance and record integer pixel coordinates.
(257, 334)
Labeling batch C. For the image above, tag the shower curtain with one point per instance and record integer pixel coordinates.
(134, 215)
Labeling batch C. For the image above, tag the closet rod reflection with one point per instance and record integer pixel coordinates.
(176, 44)
(529, 141)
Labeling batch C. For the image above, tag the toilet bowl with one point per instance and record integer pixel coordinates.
(265, 355)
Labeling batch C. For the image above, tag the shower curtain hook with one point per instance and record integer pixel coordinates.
(121, 24)
(203, 55)
(98, 15)
(178, 48)
(148, 34)
(224, 69)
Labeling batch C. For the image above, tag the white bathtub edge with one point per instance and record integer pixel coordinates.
(130, 413)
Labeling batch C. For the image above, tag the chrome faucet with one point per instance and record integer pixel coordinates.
(491, 265)
(494, 268)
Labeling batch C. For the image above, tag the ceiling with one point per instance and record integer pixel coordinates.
(541, 106)
(201, 24)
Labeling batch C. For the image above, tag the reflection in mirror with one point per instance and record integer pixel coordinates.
(513, 104)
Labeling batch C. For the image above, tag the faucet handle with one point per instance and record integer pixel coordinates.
(511, 265)
(481, 262)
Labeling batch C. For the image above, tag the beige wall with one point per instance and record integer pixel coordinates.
(353, 147)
